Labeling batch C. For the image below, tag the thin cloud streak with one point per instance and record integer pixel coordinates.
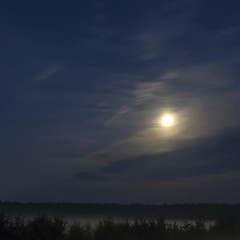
(47, 73)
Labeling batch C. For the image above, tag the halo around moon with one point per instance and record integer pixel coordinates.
(167, 120)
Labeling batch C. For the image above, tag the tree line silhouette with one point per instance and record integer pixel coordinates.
(208, 211)
(55, 228)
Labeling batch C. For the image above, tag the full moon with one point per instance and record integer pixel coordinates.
(167, 120)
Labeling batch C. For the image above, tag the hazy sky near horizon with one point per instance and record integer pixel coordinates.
(83, 85)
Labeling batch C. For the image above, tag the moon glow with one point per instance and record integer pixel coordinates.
(167, 120)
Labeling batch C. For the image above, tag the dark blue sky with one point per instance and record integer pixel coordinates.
(85, 83)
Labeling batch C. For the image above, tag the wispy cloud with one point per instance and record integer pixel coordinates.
(191, 95)
(47, 73)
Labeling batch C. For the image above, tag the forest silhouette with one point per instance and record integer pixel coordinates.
(173, 211)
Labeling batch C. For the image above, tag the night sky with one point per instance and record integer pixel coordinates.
(83, 87)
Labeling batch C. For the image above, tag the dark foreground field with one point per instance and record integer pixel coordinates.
(55, 228)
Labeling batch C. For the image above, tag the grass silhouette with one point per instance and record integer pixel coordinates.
(55, 228)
